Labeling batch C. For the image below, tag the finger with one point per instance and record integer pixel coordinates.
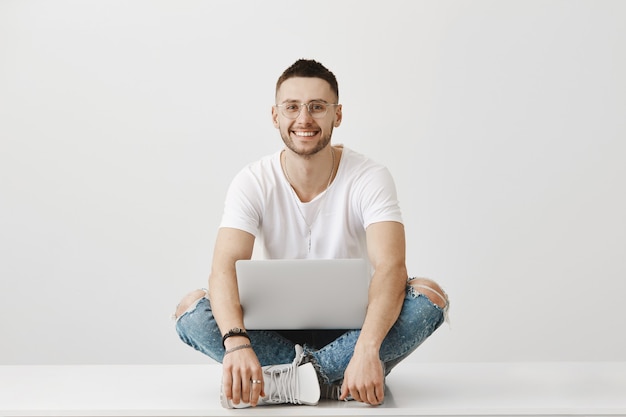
(256, 390)
(370, 395)
(236, 388)
(227, 384)
(356, 395)
(354, 392)
(380, 393)
(344, 392)
(245, 389)
(374, 394)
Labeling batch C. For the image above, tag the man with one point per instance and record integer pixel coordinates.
(311, 200)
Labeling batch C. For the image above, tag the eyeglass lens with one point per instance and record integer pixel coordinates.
(317, 109)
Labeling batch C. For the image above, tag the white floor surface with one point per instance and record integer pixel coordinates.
(413, 389)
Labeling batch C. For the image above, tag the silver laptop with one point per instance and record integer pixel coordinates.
(301, 294)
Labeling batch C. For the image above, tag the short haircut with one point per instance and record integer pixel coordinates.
(312, 69)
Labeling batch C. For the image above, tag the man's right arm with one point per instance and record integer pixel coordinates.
(240, 366)
(230, 246)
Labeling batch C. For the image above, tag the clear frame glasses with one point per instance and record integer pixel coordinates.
(317, 109)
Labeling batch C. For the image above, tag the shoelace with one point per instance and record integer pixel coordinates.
(284, 386)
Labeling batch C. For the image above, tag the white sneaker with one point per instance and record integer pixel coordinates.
(289, 383)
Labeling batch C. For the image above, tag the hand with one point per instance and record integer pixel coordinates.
(364, 379)
(239, 369)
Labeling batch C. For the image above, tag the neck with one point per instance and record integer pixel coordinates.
(309, 176)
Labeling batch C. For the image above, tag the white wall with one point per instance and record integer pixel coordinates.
(121, 123)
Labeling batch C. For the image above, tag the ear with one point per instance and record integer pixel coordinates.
(338, 116)
(275, 117)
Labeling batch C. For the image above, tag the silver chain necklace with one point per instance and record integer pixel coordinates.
(297, 199)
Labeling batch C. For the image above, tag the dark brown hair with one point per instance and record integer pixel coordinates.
(312, 69)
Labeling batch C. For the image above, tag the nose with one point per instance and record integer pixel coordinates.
(304, 114)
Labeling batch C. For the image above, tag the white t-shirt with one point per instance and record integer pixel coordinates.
(260, 201)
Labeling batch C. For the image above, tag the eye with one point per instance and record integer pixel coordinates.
(317, 107)
(292, 107)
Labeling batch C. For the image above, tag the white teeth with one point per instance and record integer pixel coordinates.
(305, 133)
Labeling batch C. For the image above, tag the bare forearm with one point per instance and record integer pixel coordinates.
(386, 295)
(225, 302)
(231, 246)
(364, 376)
(386, 249)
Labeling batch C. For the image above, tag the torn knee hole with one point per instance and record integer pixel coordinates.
(430, 290)
(188, 301)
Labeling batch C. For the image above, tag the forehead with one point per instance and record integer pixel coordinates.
(305, 89)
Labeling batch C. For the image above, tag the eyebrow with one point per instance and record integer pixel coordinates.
(298, 101)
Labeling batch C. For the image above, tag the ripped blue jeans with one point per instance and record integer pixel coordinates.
(418, 319)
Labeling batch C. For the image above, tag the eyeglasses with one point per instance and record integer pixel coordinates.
(317, 109)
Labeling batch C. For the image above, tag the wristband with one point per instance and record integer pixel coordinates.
(246, 346)
(235, 331)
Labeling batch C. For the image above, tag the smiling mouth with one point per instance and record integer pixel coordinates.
(304, 134)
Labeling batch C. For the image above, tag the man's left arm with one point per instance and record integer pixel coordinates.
(364, 378)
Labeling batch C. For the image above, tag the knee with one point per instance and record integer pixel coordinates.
(188, 301)
(431, 290)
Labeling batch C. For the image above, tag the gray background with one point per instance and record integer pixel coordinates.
(122, 122)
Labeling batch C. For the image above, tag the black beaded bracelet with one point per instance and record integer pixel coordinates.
(236, 331)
